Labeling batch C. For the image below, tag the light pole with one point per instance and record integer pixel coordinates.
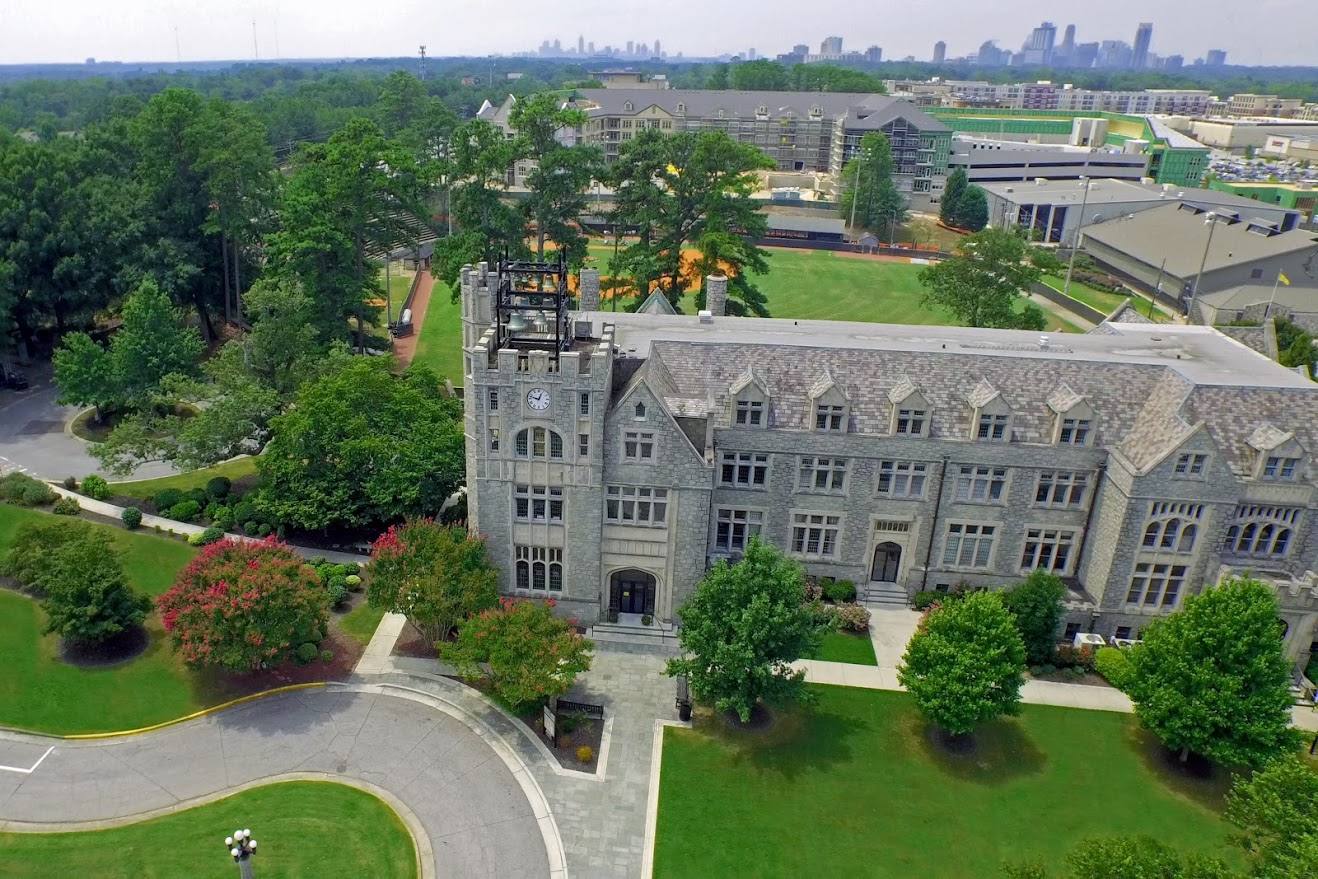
(1075, 245)
(241, 847)
(1210, 220)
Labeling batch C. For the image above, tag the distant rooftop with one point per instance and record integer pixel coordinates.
(1105, 191)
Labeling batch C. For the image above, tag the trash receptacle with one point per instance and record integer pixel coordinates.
(683, 699)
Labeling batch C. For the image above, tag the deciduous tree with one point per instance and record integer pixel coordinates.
(435, 575)
(965, 664)
(1277, 811)
(363, 446)
(1212, 678)
(1036, 604)
(956, 184)
(982, 283)
(239, 605)
(528, 653)
(87, 597)
(743, 628)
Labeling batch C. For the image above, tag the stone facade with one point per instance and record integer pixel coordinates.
(1138, 462)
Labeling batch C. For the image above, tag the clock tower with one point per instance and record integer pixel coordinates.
(536, 390)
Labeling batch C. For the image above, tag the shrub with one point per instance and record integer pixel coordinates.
(1073, 657)
(840, 591)
(97, 488)
(354, 582)
(925, 598)
(67, 506)
(327, 656)
(218, 488)
(86, 595)
(1113, 664)
(351, 570)
(158, 529)
(198, 495)
(337, 587)
(238, 605)
(211, 535)
(813, 590)
(208, 512)
(71, 483)
(23, 490)
(34, 544)
(264, 529)
(306, 651)
(244, 511)
(1036, 605)
(132, 517)
(222, 518)
(585, 754)
(1075, 672)
(249, 528)
(185, 511)
(198, 539)
(853, 617)
(646, 619)
(166, 498)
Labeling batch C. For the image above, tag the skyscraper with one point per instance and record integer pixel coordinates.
(1038, 49)
(630, 48)
(1215, 58)
(1139, 59)
(831, 46)
(658, 51)
(940, 52)
(581, 44)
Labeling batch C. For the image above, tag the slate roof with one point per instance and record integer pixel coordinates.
(1179, 233)
(1150, 386)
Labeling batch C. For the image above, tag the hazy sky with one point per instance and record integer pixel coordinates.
(1254, 32)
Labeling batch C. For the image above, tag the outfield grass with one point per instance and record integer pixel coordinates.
(440, 345)
(843, 647)
(144, 489)
(303, 829)
(856, 787)
(361, 622)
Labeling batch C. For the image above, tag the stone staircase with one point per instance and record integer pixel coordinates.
(885, 594)
(629, 631)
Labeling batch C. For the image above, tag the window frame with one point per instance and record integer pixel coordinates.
(753, 463)
(638, 446)
(911, 422)
(821, 528)
(1075, 431)
(735, 526)
(830, 418)
(984, 537)
(832, 471)
(1147, 575)
(993, 427)
(991, 479)
(749, 413)
(648, 506)
(913, 475)
(1074, 484)
(538, 444)
(539, 503)
(1044, 546)
(1191, 465)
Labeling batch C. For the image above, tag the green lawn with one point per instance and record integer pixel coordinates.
(40, 692)
(145, 488)
(303, 829)
(844, 647)
(1104, 300)
(855, 787)
(361, 622)
(440, 345)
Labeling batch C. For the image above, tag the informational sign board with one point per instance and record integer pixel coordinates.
(549, 724)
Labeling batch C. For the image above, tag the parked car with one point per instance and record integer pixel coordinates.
(12, 378)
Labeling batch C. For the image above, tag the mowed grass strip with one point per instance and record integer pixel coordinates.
(144, 489)
(846, 647)
(38, 691)
(302, 829)
(856, 787)
(440, 345)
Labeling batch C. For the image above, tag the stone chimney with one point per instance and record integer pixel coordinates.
(716, 294)
(589, 282)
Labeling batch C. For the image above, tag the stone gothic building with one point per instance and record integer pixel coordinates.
(613, 457)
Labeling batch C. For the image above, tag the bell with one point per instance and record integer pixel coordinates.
(516, 323)
(541, 322)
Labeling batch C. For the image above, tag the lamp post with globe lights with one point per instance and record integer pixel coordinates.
(241, 847)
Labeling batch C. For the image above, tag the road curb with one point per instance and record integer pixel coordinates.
(82, 737)
(422, 848)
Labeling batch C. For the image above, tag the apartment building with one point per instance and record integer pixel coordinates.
(1139, 462)
(800, 131)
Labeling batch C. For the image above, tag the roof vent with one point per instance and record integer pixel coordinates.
(706, 316)
(1043, 342)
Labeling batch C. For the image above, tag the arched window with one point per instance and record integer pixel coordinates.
(1173, 533)
(640, 411)
(1261, 530)
(539, 442)
(523, 574)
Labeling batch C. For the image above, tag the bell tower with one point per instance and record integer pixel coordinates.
(531, 306)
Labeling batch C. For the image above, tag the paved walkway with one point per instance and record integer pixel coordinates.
(405, 346)
(481, 813)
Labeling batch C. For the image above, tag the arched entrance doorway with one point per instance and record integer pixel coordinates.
(887, 563)
(632, 591)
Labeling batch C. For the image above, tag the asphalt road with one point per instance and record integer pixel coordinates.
(478, 820)
(34, 436)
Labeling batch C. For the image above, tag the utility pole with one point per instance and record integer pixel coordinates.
(1079, 236)
(1210, 220)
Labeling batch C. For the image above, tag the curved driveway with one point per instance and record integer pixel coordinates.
(473, 806)
(33, 438)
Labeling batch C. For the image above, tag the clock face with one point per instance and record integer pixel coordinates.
(538, 399)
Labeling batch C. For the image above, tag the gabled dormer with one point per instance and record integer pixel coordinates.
(1073, 418)
(990, 415)
(1278, 455)
(830, 407)
(911, 411)
(749, 398)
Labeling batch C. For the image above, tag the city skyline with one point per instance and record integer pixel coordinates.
(1271, 32)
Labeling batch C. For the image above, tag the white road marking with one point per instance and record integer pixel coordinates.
(34, 765)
